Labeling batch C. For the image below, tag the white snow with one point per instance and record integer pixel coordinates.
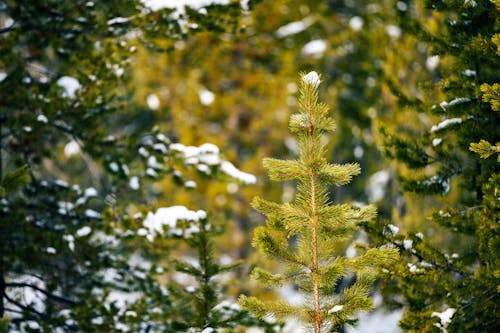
(71, 148)
(412, 268)
(378, 321)
(60, 182)
(131, 313)
(394, 230)
(393, 31)
(190, 184)
(71, 241)
(134, 183)
(293, 28)
(408, 244)
(336, 308)
(42, 118)
(178, 5)
(208, 155)
(445, 123)
(83, 231)
(312, 78)
(314, 48)
(70, 86)
(206, 97)
(153, 101)
(377, 185)
(432, 62)
(151, 172)
(65, 207)
(444, 317)
(469, 72)
(90, 213)
(229, 169)
(436, 142)
(208, 330)
(402, 6)
(153, 163)
(356, 23)
(118, 20)
(291, 295)
(444, 105)
(160, 147)
(33, 325)
(114, 166)
(168, 216)
(90, 192)
(143, 152)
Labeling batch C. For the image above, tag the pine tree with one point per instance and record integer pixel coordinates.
(64, 68)
(200, 307)
(449, 278)
(308, 234)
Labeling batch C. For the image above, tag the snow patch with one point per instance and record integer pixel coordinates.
(393, 31)
(84, 231)
(293, 28)
(206, 97)
(134, 183)
(118, 20)
(432, 62)
(377, 185)
(71, 148)
(314, 48)
(445, 123)
(444, 317)
(42, 118)
(229, 169)
(336, 308)
(70, 86)
(169, 216)
(436, 142)
(312, 78)
(356, 23)
(393, 229)
(153, 101)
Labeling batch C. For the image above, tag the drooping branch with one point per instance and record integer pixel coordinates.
(43, 291)
(22, 306)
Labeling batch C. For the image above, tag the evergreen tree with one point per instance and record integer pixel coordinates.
(449, 280)
(76, 154)
(200, 307)
(308, 233)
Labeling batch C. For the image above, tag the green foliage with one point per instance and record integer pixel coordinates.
(77, 159)
(200, 307)
(12, 181)
(450, 271)
(304, 234)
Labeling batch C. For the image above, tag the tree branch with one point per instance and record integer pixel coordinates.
(22, 306)
(46, 293)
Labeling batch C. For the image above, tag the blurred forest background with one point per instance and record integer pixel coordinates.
(111, 110)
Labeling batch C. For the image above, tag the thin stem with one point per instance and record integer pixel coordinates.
(314, 241)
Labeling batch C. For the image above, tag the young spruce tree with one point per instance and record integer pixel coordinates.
(305, 234)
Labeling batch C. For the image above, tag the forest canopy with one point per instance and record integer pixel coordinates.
(249, 166)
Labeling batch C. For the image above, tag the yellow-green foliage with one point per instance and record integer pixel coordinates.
(304, 234)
